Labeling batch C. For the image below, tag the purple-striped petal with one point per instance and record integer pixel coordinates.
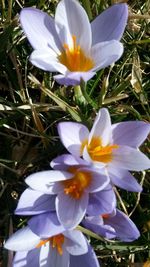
(72, 134)
(110, 24)
(33, 202)
(130, 133)
(70, 211)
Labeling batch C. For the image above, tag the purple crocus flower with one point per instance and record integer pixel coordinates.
(70, 188)
(57, 248)
(69, 44)
(114, 147)
(114, 225)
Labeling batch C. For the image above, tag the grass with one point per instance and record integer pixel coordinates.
(31, 105)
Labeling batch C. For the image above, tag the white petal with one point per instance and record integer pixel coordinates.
(44, 181)
(46, 59)
(23, 239)
(71, 19)
(72, 134)
(101, 127)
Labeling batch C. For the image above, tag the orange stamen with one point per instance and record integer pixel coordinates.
(75, 187)
(74, 57)
(98, 152)
(55, 241)
(105, 216)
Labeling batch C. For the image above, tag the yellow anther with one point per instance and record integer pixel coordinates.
(74, 58)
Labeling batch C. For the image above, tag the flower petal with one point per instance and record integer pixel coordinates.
(33, 202)
(96, 225)
(39, 29)
(23, 239)
(44, 181)
(76, 243)
(45, 225)
(106, 53)
(110, 24)
(86, 260)
(124, 179)
(102, 202)
(54, 259)
(72, 139)
(47, 60)
(64, 161)
(99, 179)
(124, 227)
(130, 133)
(74, 78)
(71, 211)
(71, 19)
(129, 158)
(27, 258)
(101, 127)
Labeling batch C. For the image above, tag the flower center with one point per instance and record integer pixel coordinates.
(75, 187)
(74, 57)
(98, 152)
(55, 242)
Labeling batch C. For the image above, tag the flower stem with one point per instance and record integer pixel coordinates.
(86, 96)
(79, 96)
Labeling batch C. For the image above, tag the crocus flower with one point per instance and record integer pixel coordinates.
(58, 248)
(114, 225)
(72, 188)
(69, 44)
(113, 146)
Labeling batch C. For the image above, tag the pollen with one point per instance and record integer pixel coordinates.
(74, 58)
(55, 242)
(105, 216)
(100, 153)
(76, 186)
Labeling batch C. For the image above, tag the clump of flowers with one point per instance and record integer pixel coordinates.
(113, 146)
(78, 190)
